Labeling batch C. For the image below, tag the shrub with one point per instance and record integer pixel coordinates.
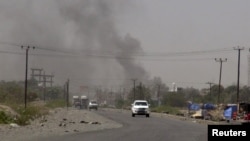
(30, 113)
(165, 109)
(4, 118)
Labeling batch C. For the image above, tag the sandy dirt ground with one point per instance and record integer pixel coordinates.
(60, 121)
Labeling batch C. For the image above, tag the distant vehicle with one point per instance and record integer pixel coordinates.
(76, 101)
(93, 105)
(80, 102)
(140, 107)
(84, 102)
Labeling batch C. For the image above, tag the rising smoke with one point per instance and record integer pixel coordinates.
(85, 29)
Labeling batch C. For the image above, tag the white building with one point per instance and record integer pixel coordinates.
(174, 87)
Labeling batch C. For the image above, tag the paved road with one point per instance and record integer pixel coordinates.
(140, 128)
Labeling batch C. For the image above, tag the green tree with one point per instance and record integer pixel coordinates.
(192, 94)
(174, 99)
(215, 93)
(55, 92)
(244, 94)
(229, 94)
(11, 92)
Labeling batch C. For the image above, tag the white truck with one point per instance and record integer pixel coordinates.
(140, 107)
(80, 102)
(84, 102)
(76, 101)
(93, 105)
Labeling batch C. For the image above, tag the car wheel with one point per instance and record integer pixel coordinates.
(133, 115)
(147, 115)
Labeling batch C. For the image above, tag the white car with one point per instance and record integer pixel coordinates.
(140, 107)
(93, 105)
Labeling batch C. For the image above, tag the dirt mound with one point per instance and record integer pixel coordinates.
(8, 110)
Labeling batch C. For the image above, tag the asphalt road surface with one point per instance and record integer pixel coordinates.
(139, 128)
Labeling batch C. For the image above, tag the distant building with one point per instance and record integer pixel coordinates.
(174, 87)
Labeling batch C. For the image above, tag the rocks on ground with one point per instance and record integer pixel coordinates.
(60, 121)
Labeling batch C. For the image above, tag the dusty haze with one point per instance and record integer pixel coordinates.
(75, 40)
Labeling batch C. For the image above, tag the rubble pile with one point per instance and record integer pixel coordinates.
(217, 114)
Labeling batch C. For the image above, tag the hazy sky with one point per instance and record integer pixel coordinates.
(109, 42)
(190, 34)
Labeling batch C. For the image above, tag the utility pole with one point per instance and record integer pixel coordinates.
(34, 75)
(134, 86)
(42, 79)
(44, 86)
(221, 61)
(210, 86)
(67, 93)
(26, 74)
(158, 94)
(238, 75)
(141, 92)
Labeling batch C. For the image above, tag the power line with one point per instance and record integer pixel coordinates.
(10, 44)
(145, 58)
(11, 52)
(187, 53)
(128, 54)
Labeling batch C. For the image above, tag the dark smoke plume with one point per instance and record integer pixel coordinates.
(96, 53)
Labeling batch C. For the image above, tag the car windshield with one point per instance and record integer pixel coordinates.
(141, 103)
